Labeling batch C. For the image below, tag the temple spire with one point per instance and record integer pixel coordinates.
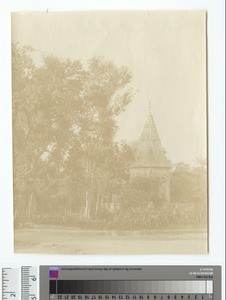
(149, 151)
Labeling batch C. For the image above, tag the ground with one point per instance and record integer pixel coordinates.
(71, 241)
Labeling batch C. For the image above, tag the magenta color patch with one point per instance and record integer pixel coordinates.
(53, 273)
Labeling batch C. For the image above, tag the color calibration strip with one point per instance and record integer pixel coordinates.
(130, 287)
(111, 283)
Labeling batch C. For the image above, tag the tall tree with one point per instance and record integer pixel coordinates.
(64, 127)
(106, 97)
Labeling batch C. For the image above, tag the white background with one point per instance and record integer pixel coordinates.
(216, 98)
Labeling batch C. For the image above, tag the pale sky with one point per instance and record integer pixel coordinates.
(166, 52)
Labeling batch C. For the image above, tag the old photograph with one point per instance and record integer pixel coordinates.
(110, 132)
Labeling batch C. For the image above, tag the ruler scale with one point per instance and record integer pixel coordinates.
(29, 283)
(11, 283)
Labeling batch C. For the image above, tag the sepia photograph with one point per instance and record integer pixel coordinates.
(109, 116)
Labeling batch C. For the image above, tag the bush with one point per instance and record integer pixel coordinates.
(132, 219)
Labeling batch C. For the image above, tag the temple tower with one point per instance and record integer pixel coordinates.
(150, 159)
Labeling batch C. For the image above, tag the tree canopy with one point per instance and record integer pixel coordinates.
(64, 126)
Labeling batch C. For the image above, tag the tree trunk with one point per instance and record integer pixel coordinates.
(89, 194)
(30, 207)
(99, 196)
